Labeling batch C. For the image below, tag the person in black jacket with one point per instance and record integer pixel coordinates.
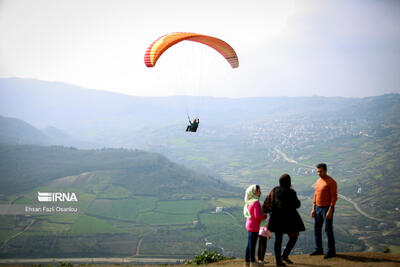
(192, 127)
(282, 203)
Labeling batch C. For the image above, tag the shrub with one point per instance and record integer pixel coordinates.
(207, 257)
(386, 249)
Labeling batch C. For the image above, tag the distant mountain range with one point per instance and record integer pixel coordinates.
(105, 118)
(16, 131)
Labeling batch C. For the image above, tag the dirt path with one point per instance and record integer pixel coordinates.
(230, 214)
(283, 155)
(141, 240)
(138, 246)
(19, 233)
(277, 150)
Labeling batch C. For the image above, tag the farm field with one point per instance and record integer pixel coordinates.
(152, 226)
(155, 227)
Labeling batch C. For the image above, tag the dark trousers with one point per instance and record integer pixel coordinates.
(278, 245)
(320, 218)
(262, 247)
(251, 247)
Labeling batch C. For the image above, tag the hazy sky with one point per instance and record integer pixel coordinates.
(285, 48)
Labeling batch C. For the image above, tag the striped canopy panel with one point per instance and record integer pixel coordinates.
(159, 46)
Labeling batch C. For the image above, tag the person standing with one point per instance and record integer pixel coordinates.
(325, 197)
(282, 203)
(263, 235)
(252, 212)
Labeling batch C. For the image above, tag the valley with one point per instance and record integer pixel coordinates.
(162, 203)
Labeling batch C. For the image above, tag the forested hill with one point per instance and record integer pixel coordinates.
(15, 131)
(24, 167)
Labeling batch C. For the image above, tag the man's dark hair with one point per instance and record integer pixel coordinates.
(285, 181)
(257, 186)
(322, 166)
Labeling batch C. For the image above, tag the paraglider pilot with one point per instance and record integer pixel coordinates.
(192, 127)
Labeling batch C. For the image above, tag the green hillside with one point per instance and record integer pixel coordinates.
(130, 202)
(27, 166)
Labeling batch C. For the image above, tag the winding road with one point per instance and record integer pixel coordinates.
(355, 205)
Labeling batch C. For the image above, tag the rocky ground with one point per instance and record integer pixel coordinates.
(343, 259)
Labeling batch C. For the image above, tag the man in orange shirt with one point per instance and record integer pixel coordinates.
(325, 198)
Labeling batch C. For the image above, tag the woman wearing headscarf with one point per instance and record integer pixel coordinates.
(282, 203)
(252, 212)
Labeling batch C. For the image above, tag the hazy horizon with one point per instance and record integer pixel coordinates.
(211, 96)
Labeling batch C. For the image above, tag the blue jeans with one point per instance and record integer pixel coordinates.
(251, 247)
(320, 218)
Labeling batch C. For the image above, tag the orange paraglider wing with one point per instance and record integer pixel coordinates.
(159, 46)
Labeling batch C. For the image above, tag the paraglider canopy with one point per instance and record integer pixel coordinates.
(160, 45)
(163, 43)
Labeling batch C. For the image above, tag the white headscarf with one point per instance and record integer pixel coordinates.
(249, 198)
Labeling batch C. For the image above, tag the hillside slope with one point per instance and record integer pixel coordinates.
(15, 131)
(24, 167)
(124, 197)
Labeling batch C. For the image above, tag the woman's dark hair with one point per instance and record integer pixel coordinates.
(322, 166)
(285, 181)
(257, 187)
